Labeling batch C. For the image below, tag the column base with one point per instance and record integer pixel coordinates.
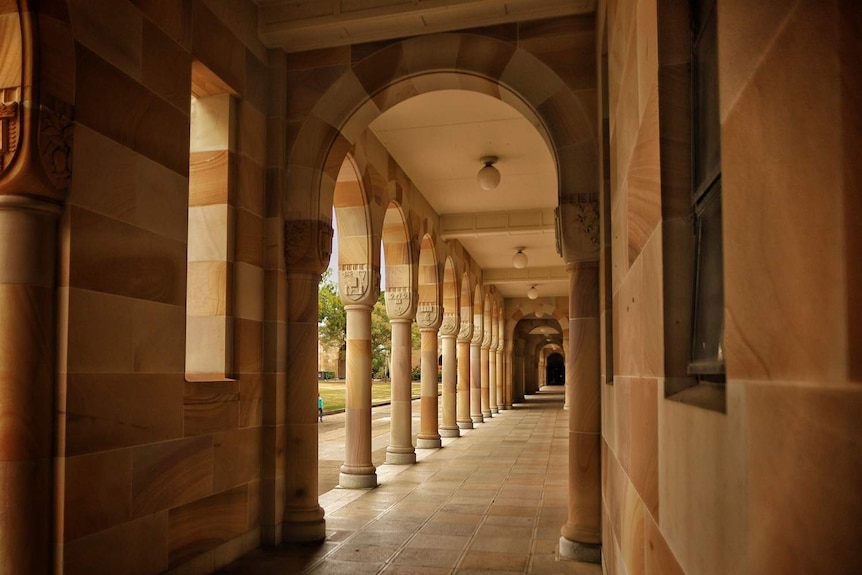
(486, 414)
(465, 424)
(400, 456)
(583, 552)
(304, 531)
(477, 419)
(431, 443)
(494, 410)
(351, 481)
(450, 432)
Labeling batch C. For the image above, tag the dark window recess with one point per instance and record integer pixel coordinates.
(707, 353)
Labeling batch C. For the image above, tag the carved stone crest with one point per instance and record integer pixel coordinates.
(324, 241)
(398, 301)
(354, 281)
(427, 315)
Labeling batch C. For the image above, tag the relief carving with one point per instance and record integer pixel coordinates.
(427, 315)
(486, 339)
(477, 335)
(450, 324)
(295, 239)
(354, 281)
(9, 122)
(587, 215)
(55, 147)
(324, 241)
(466, 330)
(398, 301)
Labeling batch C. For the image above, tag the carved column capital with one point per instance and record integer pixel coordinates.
(578, 229)
(307, 245)
(400, 302)
(359, 284)
(449, 326)
(465, 333)
(428, 316)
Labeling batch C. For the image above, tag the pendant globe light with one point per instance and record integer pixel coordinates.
(519, 260)
(489, 176)
(532, 293)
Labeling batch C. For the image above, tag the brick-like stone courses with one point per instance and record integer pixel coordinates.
(149, 462)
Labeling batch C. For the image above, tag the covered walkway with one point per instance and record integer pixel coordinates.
(491, 501)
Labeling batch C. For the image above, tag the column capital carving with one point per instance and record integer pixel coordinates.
(578, 229)
(477, 336)
(449, 327)
(428, 316)
(35, 136)
(358, 284)
(465, 333)
(400, 302)
(307, 245)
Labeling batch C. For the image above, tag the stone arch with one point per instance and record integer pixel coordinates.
(430, 309)
(550, 309)
(401, 268)
(451, 296)
(358, 254)
(433, 62)
(466, 308)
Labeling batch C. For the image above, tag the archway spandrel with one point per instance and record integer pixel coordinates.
(483, 57)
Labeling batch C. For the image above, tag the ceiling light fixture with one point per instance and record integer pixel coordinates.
(519, 260)
(532, 293)
(489, 176)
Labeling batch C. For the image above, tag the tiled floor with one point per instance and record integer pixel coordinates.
(489, 502)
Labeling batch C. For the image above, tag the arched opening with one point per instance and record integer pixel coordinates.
(555, 365)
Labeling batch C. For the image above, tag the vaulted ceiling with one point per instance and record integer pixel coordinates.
(438, 138)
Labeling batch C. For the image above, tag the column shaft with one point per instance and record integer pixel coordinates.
(464, 420)
(400, 450)
(28, 250)
(429, 437)
(582, 533)
(485, 389)
(449, 425)
(501, 377)
(492, 380)
(509, 372)
(302, 520)
(358, 471)
(475, 384)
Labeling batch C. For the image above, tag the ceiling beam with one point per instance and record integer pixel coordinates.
(297, 26)
(504, 276)
(524, 222)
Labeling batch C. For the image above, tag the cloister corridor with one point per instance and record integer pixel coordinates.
(485, 503)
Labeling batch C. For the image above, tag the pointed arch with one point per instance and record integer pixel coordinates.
(429, 278)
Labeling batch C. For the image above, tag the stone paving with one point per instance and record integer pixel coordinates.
(489, 502)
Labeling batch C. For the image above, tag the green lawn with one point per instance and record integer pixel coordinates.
(333, 393)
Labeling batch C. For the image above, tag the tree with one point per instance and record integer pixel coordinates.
(381, 337)
(331, 316)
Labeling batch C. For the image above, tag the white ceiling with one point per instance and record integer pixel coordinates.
(438, 139)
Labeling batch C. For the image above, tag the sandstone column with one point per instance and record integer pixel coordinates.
(485, 367)
(35, 173)
(302, 519)
(358, 471)
(492, 368)
(428, 319)
(400, 450)
(569, 370)
(28, 251)
(476, 365)
(509, 373)
(582, 533)
(449, 425)
(501, 377)
(464, 335)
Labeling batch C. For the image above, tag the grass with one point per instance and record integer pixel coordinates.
(381, 392)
